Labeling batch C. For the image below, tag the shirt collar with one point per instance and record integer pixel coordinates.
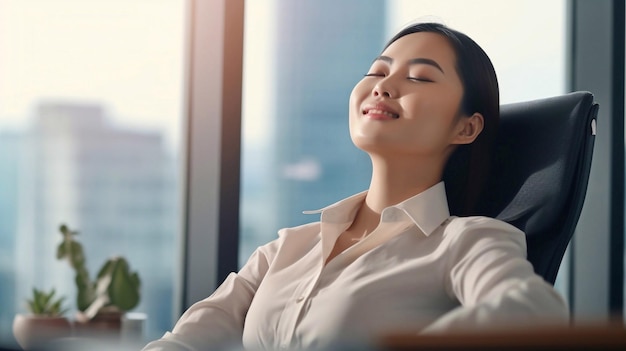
(341, 211)
(428, 209)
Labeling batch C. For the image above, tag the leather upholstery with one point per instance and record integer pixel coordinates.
(540, 171)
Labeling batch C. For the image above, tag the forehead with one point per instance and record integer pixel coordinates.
(423, 45)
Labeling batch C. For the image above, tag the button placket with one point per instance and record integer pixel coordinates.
(308, 289)
(298, 303)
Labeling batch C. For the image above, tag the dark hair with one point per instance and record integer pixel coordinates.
(468, 167)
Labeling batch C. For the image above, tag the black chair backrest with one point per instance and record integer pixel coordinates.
(539, 176)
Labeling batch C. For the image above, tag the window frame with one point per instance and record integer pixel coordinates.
(210, 223)
(596, 60)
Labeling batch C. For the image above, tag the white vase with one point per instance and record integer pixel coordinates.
(31, 331)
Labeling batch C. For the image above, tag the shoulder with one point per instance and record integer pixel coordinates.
(304, 232)
(307, 230)
(300, 237)
(288, 239)
(480, 223)
(483, 231)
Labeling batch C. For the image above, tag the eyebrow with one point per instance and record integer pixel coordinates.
(415, 61)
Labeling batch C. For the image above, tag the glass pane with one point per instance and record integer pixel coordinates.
(302, 60)
(90, 115)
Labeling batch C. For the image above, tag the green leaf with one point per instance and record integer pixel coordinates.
(43, 303)
(33, 307)
(107, 268)
(77, 257)
(45, 298)
(124, 289)
(61, 251)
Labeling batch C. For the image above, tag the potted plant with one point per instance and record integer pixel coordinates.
(101, 302)
(45, 322)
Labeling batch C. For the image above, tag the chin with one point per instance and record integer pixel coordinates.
(372, 144)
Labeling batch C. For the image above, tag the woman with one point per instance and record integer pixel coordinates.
(391, 258)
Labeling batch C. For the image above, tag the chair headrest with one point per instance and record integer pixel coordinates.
(539, 158)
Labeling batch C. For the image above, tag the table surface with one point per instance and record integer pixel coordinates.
(592, 337)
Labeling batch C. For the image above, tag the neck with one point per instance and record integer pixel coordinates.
(395, 180)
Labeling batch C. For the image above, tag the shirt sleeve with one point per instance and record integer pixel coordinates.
(219, 319)
(495, 283)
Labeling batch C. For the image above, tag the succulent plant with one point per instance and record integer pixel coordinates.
(115, 285)
(44, 304)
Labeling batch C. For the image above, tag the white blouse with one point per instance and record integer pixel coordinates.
(421, 270)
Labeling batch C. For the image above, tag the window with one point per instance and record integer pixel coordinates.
(302, 60)
(90, 135)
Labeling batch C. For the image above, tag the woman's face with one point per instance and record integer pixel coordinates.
(409, 100)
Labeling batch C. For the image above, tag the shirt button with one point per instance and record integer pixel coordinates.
(299, 299)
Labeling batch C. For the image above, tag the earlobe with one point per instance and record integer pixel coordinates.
(470, 129)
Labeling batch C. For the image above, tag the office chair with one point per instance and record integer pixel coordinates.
(539, 175)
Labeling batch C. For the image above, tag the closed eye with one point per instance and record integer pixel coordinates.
(374, 75)
(419, 79)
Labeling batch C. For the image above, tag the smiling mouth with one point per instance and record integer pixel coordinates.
(380, 113)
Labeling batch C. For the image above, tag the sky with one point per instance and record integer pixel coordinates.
(525, 39)
(69, 50)
(129, 55)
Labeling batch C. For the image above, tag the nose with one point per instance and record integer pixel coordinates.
(383, 88)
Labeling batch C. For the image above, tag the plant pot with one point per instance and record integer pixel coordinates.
(31, 331)
(107, 324)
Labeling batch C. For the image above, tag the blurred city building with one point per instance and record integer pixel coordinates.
(306, 159)
(116, 186)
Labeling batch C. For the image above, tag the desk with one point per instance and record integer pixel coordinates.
(574, 338)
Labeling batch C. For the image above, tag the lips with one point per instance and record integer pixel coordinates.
(380, 111)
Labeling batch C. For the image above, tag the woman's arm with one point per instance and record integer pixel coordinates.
(219, 318)
(494, 282)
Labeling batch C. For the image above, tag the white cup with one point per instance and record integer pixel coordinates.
(133, 325)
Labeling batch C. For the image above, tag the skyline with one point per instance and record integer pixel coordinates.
(116, 186)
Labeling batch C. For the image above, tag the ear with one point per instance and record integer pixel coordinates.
(468, 129)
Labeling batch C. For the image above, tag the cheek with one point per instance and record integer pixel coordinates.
(357, 96)
(435, 112)
(430, 124)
